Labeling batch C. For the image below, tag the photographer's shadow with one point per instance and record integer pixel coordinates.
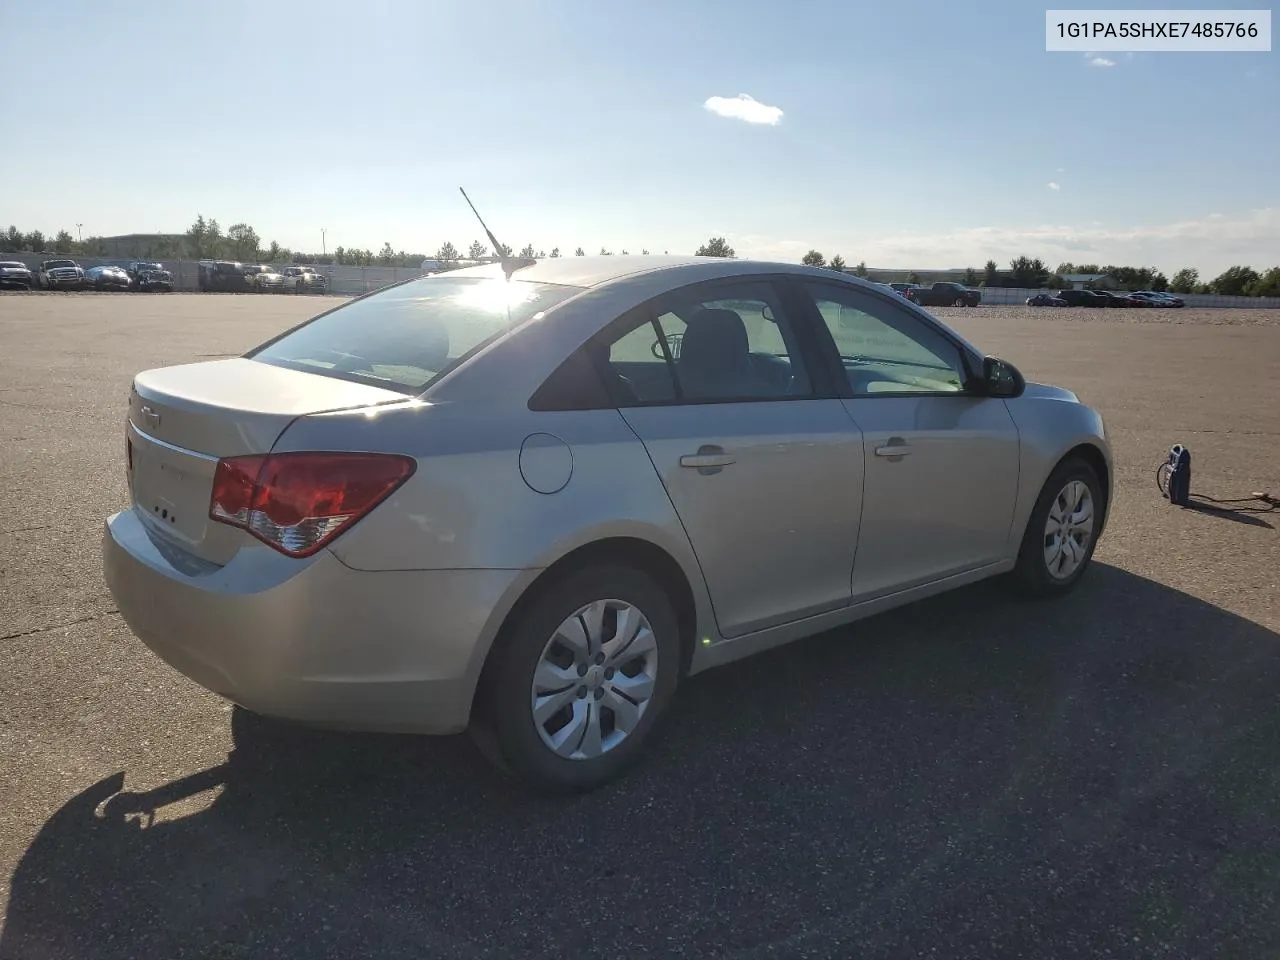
(840, 773)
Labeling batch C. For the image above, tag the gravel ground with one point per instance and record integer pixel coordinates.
(969, 777)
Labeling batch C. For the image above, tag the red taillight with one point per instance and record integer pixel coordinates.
(298, 502)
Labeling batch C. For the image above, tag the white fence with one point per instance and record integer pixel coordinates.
(354, 281)
(994, 296)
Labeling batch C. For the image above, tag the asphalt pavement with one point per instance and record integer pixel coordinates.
(972, 776)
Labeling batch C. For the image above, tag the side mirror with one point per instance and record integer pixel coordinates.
(1002, 378)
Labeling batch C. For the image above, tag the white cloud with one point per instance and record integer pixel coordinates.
(1100, 62)
(745, 108)
(1052, 185)
(1211, 244)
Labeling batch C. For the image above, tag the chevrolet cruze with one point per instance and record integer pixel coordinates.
(530, 499)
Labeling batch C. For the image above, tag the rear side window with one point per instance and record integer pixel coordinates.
(404, 337)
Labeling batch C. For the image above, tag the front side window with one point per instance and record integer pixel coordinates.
(404, 337)
(883, 348)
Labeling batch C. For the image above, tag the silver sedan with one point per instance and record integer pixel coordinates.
(530, 506)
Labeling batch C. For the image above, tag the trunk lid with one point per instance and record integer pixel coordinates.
(183, 419)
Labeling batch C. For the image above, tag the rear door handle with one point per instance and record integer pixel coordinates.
(896, 447)
(709, 459)
(703, 461)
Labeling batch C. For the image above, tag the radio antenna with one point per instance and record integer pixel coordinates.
(510, 264)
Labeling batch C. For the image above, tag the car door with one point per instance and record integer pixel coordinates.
(942, 460)
(755, 450)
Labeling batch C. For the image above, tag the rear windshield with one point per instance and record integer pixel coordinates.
(405, 336)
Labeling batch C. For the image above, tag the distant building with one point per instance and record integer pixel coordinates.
(140, 245)
(1078, 281)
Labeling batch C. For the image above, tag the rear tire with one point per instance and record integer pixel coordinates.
(597, 706)
(1058, 544)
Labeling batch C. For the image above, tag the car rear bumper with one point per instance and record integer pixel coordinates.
(311, 641)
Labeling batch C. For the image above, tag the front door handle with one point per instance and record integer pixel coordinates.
(896, 447)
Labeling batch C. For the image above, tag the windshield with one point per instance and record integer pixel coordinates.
(60, 263)
(150, 266)
(405, 336)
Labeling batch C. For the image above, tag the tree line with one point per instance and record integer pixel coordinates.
(205, 239)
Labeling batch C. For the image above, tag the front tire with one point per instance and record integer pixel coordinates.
(1061, 533)
(578, 680)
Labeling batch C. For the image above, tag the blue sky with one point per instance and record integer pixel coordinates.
(921, 134)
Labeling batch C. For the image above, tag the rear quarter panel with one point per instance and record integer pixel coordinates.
(469, 505)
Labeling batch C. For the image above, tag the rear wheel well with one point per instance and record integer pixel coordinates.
(629, 551)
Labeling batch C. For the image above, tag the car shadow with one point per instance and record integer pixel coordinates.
(971, 776)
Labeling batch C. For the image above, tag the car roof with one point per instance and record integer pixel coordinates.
(594, 271)
(609, 287)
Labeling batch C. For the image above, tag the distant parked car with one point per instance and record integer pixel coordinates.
(904, 289)
(107, 277)
(150, 276)
(263, 279)
(15, 275)
(1046, 300)
(945, 294)
(1155, 299)
(1112, 300)
(222, 275)
(1081, 298)
(303, 280)
(60, 274)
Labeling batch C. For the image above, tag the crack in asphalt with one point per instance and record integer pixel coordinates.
(1242, 433)
(59, 626)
